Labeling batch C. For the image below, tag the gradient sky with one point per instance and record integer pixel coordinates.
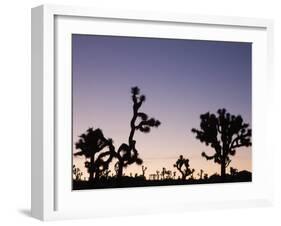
(181, 79)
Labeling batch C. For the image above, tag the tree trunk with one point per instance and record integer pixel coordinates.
(120, 171)
(91, 169)
(91, 176)
(97, 175)
(223, 170)
(183, 176)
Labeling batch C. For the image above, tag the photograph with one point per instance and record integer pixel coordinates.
(150, 111)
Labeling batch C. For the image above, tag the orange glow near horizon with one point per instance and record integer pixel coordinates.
(157, 155)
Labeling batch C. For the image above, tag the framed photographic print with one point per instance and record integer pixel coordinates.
(137, 112)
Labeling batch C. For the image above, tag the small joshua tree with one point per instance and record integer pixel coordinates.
(90, 145)
(169, 174)
(163, 173)
(182, 166)
(205, 176)
(77, 173)
(158, 174)
(127, 154)
(143, 168)
(233, 171)
(225, 133)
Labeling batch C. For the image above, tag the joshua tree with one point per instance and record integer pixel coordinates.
(77, 173)
(205, 176)
(163, 173)
(174, 175)
(127, 154)
(143, 168)
(158, 174)
(233, 171)
(90, 145)
(182, 165)
(169, 174)
(224, 133)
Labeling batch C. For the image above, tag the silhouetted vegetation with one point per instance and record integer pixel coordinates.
(224, 133)
(143, 168)
(77, 174)
(127, 154)
(182, 165)
(233, 171)
(90, 145)
(140, 181)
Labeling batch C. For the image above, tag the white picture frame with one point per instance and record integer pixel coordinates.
(51, 194)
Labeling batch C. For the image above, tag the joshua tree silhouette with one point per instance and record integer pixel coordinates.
(182, 165)
(143, 168)
(169, 174)
(158, 174)
(91, 144)
(127, 154)
(163, 173)
(205, 176)
(224, 133)
(174, 175)
(233, 171)
(77, 173)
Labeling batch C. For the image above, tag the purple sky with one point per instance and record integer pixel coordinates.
(181, 80)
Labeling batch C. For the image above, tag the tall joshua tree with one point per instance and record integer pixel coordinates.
(224, 133)
(90, 145)
(127, 154)
(182, 166)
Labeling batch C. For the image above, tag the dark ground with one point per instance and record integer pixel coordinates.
(112, 182)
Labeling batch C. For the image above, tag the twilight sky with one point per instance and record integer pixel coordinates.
(181, 79)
